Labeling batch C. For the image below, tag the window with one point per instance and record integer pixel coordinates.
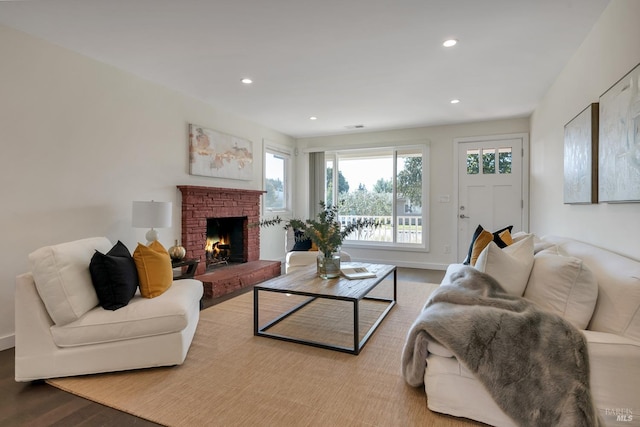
(387, 184)
(504, 157)
(276, 178)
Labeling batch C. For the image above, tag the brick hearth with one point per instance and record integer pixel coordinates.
(200, 203)
(228, 279)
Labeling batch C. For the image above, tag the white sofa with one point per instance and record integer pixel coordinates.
(561, 279)
(85, 338)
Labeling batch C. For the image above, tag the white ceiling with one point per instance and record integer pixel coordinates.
(376, 63)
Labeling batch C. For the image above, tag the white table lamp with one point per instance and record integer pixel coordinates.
(151, 215)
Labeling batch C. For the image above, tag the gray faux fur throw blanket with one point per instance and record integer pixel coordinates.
(534, 364)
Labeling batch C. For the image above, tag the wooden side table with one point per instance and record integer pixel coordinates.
(190, 263)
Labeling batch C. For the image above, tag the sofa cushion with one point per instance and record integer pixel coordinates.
(563, 285)
(154, 269)
(510, 266)
(618, 308)
(142, 317)
(61, 274)
(114, 276)
(481, 239)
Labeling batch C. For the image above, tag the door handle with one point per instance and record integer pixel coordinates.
(463, 216)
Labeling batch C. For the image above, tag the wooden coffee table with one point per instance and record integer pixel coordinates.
(305, 282)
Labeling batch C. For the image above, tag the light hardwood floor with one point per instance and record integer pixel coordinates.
(38, 404)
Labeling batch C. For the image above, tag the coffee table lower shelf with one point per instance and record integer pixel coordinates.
(358, 343)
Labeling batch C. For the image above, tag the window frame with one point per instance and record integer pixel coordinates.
(287, 154)
(334, 157)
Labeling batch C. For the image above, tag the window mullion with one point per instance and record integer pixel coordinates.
(336, 181)
(394, 198)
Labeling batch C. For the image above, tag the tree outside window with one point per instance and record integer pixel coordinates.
(384, 183)
(276, 198)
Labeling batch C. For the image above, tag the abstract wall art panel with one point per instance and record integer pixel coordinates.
(219, 155)
(581, 157)
(619, 141)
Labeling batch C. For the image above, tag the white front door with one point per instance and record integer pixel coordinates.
(491, 174)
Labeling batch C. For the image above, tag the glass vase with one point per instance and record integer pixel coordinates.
(328, 264)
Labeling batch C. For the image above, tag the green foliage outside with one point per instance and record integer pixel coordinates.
(504, 162)
(343, 185)
(275, 193)
(383, 186)
(410, 181)
(379, 202)
(489, 163)
(365, 202)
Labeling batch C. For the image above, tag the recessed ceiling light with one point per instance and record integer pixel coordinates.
(246, 81)
(455, 101)
(313, 118)
(450, 43)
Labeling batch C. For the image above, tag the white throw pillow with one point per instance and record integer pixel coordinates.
(563, 285)
(519, 235)
(509, 266)
(61, 274)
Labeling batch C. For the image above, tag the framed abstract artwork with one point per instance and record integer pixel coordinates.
(581, 157)
(219, 155)
(619, 145)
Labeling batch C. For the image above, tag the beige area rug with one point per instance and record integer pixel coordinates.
(232, 378)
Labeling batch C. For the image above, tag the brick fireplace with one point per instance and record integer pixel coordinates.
(200, 204)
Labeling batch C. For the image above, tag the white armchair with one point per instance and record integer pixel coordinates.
(297, 259)
(61, 330)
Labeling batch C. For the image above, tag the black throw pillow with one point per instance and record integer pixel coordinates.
(302, 243)
(496, 238)
(114, 276)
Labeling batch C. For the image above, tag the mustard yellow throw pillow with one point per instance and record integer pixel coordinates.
(506, 237)
(154, 269)
(481, 242)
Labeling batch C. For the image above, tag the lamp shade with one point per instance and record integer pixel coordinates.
(151, 214)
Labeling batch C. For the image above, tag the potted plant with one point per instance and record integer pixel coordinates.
(326, 233)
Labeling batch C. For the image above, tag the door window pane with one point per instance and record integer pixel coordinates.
(473, 162)
(504, 160)
(489, 161)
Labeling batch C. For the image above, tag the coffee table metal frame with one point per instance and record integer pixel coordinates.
(329, 289)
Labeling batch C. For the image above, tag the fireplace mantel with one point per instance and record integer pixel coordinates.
(200, 203)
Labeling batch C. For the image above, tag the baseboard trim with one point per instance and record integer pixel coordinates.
(7, 342)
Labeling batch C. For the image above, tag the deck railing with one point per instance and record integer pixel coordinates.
(408, 228)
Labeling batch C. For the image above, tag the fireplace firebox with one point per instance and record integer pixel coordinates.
(225, 241)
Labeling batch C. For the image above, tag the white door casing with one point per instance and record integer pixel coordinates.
(485, 196)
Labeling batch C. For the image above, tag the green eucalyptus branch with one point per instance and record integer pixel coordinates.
(326, 231)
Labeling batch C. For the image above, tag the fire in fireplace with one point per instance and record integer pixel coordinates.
(225, 241)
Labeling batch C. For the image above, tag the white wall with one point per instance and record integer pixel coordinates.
(442, 216)
(80, 141)
(610, 51)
